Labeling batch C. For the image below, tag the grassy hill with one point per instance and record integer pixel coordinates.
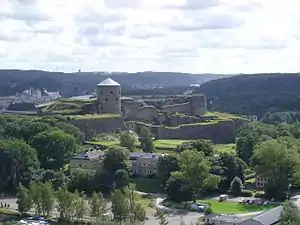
(66, 107)
(253, 94)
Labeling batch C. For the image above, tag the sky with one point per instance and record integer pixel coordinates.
(195, 36)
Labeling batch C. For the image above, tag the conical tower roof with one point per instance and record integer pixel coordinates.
(108, 82)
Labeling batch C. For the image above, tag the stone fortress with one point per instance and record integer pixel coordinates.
(176, 117)
(171, 117)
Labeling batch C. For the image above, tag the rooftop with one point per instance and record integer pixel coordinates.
(96, 154)
(108, 82)
(228, 218)
(270, 217)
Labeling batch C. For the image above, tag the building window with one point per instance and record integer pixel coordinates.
(101, 92)
(117, 99)
(111, 92)
(106, 99)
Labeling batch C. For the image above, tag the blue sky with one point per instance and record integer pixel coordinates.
(199, 36)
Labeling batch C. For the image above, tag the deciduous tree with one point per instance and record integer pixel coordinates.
(290, 214)
(24, 199)
(128, 140)
(54, 148)
(195, 169)
(145, 138)
(279, 161)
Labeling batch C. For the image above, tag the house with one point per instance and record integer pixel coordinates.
(270, 217)
(90, 160)
(260, 181)
(142, 163)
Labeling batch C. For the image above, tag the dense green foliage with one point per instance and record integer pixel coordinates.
(30, 143)
(290, 214)
(253, 94)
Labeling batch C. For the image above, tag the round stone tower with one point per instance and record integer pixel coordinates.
(109, 96)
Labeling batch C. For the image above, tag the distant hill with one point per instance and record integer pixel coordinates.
(70, 84)
(254, 94)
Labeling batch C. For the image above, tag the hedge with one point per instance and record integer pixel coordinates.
(259, 195)
(246, 193)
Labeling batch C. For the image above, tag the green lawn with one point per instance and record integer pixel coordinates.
(225, 148)
(159, 144)
(168, 143)
(147, 185)
(228, 207)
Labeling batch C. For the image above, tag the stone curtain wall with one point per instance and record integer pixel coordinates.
(100, 125)
(223, 132)
(177, 108)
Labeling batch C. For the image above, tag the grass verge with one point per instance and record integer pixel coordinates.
(221, 148)
(225, 207)
(228, 207)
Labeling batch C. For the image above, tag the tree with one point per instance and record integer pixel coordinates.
(245, 147)
(103, 181)
(24, 199)
(160, 215)
(116, 158)
(72, 130)
(121, 179)
(97, 205)
(65, 204)
(80, 206)
(145, 138)
(43, 197)
(195, 169)
(54, 148)
(166, 165)
(236, 186)
(137, 212)
(16, 159)
(229, 166)
(277, 160)
(290, 214)
(120, 206)
(203, 146)
(176, 189)
(82, 181)
(127, 140)
(47, 194)
(36, 196)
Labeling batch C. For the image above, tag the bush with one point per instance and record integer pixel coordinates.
(259, 195)
(246, 193)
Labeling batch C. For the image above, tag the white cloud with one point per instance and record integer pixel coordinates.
(222, 36)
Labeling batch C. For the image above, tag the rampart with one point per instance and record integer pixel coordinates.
(220, 132)
(91, 126)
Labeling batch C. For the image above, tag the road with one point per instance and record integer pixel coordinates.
(174, 217)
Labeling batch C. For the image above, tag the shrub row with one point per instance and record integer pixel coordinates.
(259, 195)
(246, 193)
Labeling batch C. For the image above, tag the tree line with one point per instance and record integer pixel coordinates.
(31, 144)
(76, 206)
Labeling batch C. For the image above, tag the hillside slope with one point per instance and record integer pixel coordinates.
(71, 84)
(253, 94)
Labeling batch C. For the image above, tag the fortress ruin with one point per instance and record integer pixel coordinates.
(173, 117)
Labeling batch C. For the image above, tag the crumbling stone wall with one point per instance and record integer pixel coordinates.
(177, 119)
(101, 125)
(177, 108)
(147, 113)
(222, 132)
